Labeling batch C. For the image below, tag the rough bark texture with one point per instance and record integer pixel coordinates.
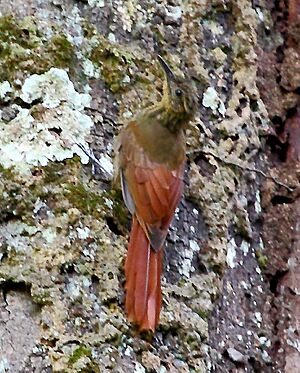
(73, 71)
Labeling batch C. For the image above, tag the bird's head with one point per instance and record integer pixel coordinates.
(179, 95)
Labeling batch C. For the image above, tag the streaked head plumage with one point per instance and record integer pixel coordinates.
(179, 91)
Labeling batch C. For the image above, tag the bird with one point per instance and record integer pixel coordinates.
(150, 161)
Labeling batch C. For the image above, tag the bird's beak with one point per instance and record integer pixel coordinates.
(169, 74)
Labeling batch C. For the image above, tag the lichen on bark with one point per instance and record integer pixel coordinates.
(70, 73)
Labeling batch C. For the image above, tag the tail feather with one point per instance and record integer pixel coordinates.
(143, 271)
(154, 296)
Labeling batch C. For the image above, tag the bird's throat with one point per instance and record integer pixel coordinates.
(163, 114)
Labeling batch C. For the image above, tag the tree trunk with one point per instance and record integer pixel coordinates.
(74, 71)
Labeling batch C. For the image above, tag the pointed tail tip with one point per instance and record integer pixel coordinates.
(147, 322)
(144, 325)
(142, 271)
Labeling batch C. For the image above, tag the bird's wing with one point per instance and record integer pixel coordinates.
(151, 190)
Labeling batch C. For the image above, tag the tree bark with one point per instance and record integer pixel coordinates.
(74, 72)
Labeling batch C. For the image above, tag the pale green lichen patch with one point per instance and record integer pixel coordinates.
(5, 88)
(48, 131)
(53, 87)
(211, 100)
(99, 3)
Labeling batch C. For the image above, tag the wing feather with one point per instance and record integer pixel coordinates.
(162, 176)
(154, 188)
(161, 192)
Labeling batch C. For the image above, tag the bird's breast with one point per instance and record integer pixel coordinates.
(159, 144)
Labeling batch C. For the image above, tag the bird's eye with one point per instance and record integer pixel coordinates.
(178, 92)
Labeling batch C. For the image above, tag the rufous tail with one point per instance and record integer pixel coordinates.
(142, 271)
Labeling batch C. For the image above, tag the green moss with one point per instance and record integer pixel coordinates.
(6, 172)
(42, 298)
(17, 39)
(89, 30)
(204, 314)
(120, 213)
(15, 200)
(114, 62)
(54, 172)
(109, 204)
(90, 365)
(262, 260)
(24, 49)
(85, 200)
(78, 353)
(60, 51)
(52, 184)
(22, 33)
(18, 198)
